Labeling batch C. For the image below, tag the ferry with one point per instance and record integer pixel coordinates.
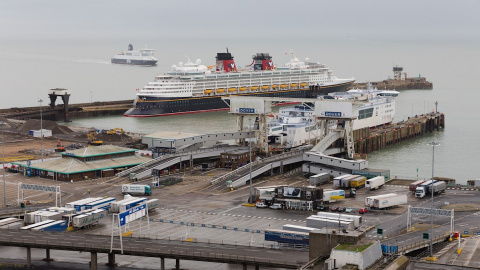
(193, 88)
(142, 57)
(296, 126)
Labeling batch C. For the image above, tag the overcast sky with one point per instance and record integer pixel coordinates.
(242, 18)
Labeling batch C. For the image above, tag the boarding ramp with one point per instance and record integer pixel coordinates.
(241, 176)
(325, 160)
(153, 142)
(328, 140)
(162, 161)
(313, 168)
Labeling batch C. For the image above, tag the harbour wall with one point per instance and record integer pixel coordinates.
(367, 140)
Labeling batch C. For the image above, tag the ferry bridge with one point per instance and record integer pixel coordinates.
(148, 247)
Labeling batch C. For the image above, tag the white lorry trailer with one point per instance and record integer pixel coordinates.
(375, 182)
(390, 201)
(323, 222)
(330, 196)
(429, 187)
(337, 181)
(370, 199)
(137, 189)
(357, 220)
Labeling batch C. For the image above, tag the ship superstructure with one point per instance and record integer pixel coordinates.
(142, 57)
(192, 87)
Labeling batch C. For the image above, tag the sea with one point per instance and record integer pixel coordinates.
(29, 68)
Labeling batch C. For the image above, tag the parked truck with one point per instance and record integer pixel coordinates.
(370, 199)
(358, 182)
(390, 201)
(137, 189)
(413, 186)
(375, 183)
(429, 187)
(337, 181)
(330, 196)
(319, 179)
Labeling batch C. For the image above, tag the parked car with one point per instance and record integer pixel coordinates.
(276, 206)
(363, 210)
(341, 209)
(334, 208)
(261, 205)
(348, 210)
(322, 207)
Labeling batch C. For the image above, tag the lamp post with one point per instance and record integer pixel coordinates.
(41, 125)
(3, 168)
(432, 144)
(250, 150)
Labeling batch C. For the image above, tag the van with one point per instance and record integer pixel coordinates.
(276, 206)
(261, 205)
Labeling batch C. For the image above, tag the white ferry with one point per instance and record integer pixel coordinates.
(193, 87)
(296, 126)
(142, 57)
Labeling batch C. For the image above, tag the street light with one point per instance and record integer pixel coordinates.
(250, 149)
(41, 125)
(3, 168)
(432, 144)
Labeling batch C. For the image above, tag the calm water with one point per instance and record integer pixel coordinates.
(30, 68)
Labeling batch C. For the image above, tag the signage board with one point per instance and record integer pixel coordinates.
(132, 214)
(292, 192)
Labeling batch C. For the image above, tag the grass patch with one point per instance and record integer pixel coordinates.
(352, 247)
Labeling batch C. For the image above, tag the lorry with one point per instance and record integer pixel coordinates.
(333, 195)
(287, 237)
(137, 189)
(358, 182)
(430, 187)
(413, 186)
(320, 222)
(88, 219)
(375, 183)
(319, 179)
(337, 181)
(347, 181)
(357, 220)
(389, 201)
(370, 199)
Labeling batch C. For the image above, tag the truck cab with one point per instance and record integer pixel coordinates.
(148, 190)
(420, 192)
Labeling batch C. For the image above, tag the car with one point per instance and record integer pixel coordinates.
(363, 210)
(276, 206)
(322, 207)
(348, 210)
(334, 208)
(341, 209)
(261, 205)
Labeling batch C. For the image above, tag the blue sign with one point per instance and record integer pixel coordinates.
(465, 232)
(131, 211)
(478, 233)
(246, 110)
(29, 163)
(333, 114)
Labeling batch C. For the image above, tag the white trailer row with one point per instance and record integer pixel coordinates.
(296, 228)
(81, 205)
(357, 220)
(11, 223)
(325, 222)
(125, 204)
(90, 218)
(52, 213)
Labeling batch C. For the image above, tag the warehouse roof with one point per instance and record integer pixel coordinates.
(72, 165)
(98, 151)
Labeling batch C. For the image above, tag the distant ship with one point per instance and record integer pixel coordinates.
(193, 87)
(142, 57)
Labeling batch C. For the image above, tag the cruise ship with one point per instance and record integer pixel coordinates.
(142, 57)
(193, 87)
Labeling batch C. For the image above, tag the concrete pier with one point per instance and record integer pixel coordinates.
(93, 261)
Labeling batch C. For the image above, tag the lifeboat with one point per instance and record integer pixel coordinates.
(220, 90)
(274, 86)
(208, 91)
(303, 84)
(283, 86)
(254, 88)
(232, 89)
(265, 87)
(241, 88)
(293, 85)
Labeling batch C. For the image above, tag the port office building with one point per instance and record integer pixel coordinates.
(84, 163)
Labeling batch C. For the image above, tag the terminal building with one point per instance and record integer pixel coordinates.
(85, 163)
